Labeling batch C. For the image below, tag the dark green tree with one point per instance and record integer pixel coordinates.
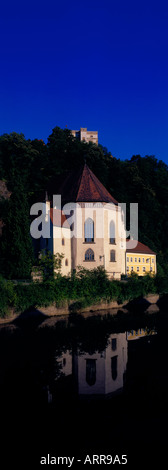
(49, 265)
(16, 244)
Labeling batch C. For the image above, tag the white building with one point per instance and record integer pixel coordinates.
(88, 229)
(86, 136)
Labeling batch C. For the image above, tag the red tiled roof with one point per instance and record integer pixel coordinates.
(58, 218)
(140, 248)
(83, 186)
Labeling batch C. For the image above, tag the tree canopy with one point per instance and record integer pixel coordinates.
(36, 165)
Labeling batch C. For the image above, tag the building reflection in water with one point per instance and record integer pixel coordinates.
(100, 373)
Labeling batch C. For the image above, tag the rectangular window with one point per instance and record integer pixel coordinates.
(137, 268)
(127, 259)
(132, 268)
(114, 344)
(152, 260)
(135, 260)
(114, 367)
(143, 260)
(131, 259)
(151, 269)
(144, 269)
(139, 259)
(127, 269)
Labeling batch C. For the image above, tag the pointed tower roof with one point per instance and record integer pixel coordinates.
(83, 186)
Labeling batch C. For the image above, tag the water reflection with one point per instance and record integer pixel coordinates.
(100, 373)
(64, 383)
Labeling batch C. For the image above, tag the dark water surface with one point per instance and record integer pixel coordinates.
(79, 386)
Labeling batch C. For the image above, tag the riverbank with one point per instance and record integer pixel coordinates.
(148, 304)
(86, 291)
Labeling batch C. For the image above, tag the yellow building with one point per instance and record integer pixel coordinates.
(140, 333)
(141, 260)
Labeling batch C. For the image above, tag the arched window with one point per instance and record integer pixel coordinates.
(89, 230)
(66, 262)
(89, 255)
(91, 371)
(112, 232)
(112, 256)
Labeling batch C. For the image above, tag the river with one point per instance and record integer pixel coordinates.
(84, 385)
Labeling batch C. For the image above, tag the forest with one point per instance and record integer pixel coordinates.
(30, 167)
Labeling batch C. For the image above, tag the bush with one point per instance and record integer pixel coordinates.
(7, 296)
(84, 287)
(161, 283)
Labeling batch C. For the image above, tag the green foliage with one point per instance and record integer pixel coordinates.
(49, 265)
(78, 291)
(38, 166)
(16, 245)
(7, 296)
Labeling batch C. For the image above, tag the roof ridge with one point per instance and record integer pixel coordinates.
(82, 185)
(96, 181)
(144, 248)
(80, 180)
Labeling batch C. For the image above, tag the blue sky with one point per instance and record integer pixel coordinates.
(96, 64)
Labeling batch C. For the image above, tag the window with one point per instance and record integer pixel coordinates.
(131, 259)
(151, 269)
(135, 260)
(114, 344)
(139, 259)
(114, 367)
(132, 268)
(127, 259)
(137, 268)
(127, 269)
(91, 371)
(152, 260)
(144, 269)
(63, 241)
(112, 232)
(89, 255)
(143, 260)
(66, 262)
(112, 256)
(89, 231)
